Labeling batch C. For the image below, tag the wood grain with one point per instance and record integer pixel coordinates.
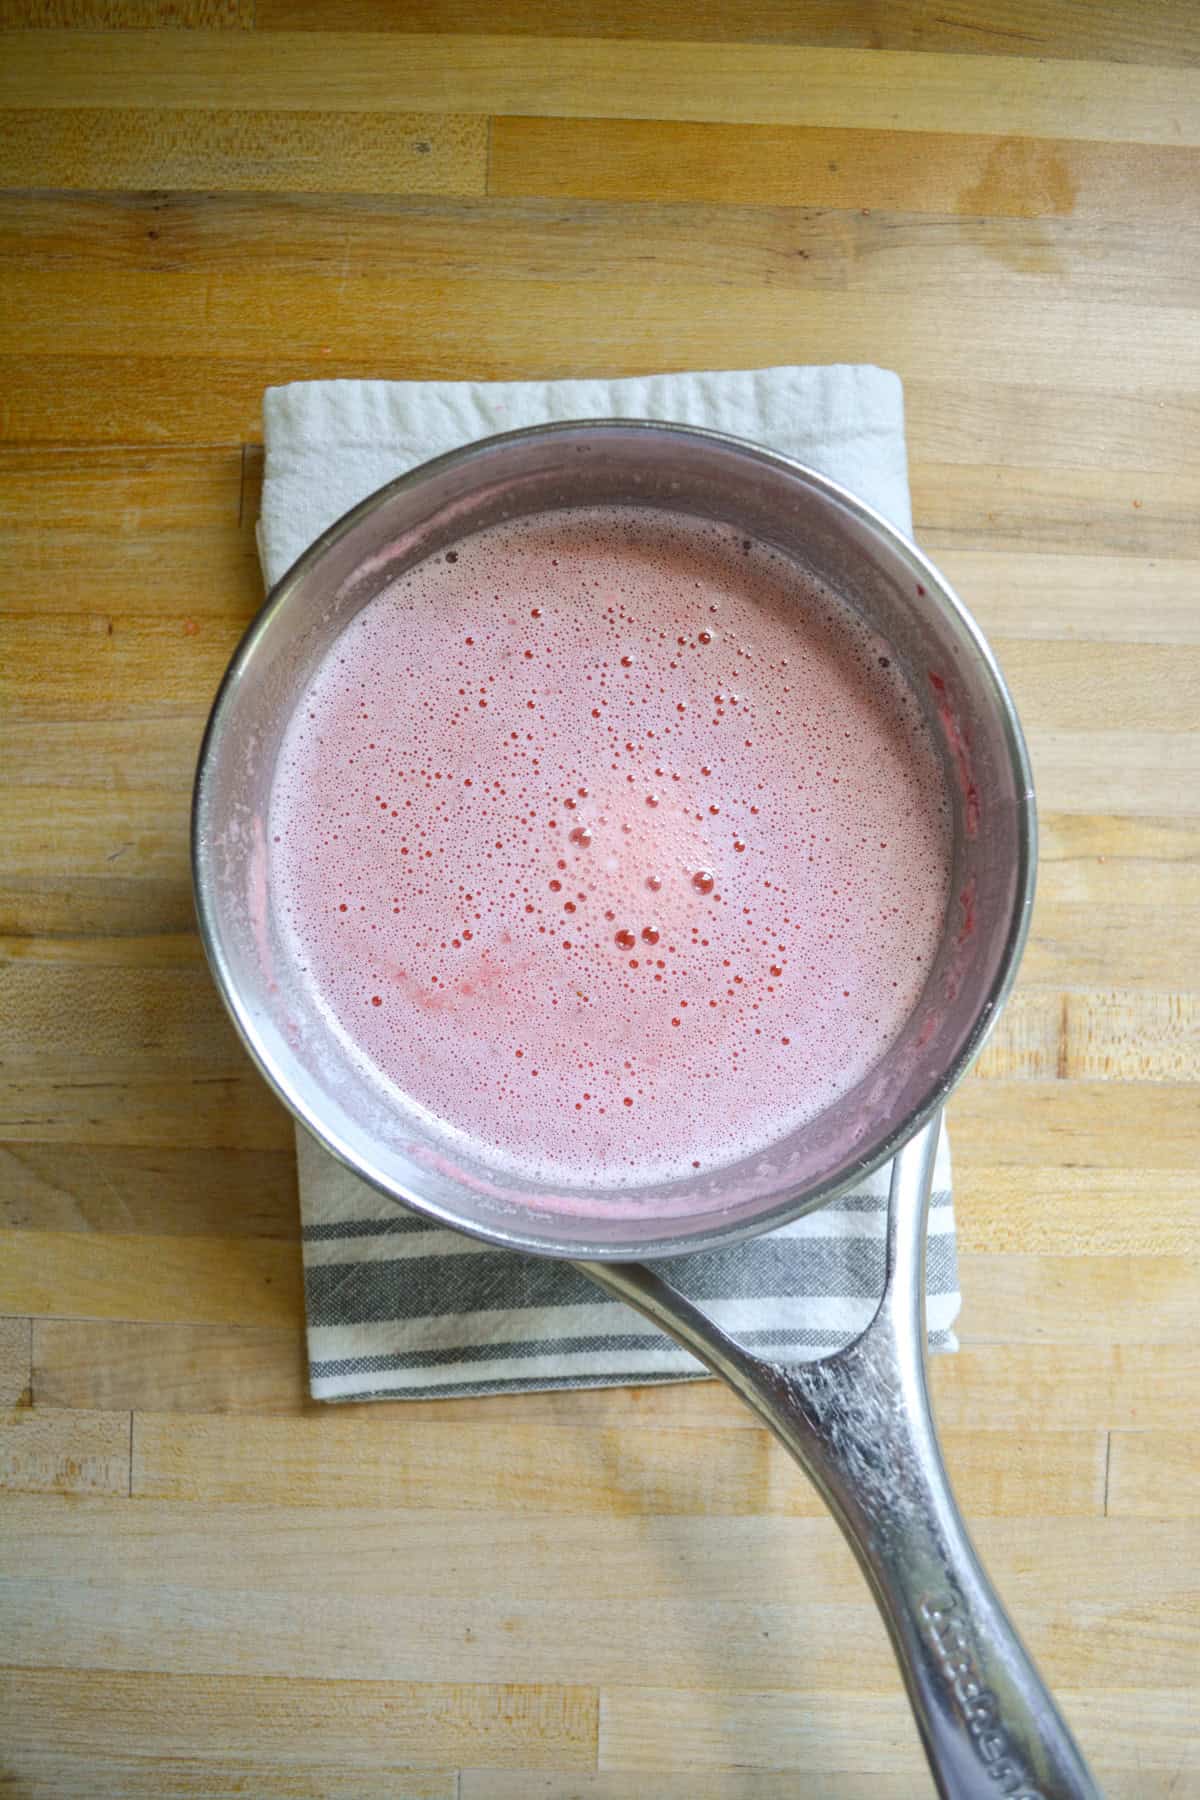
(1078, 1211)
(65, 504)
(1044, 1299)
(127, 15)
(155, 1020)
(1063, 1124)
(163, 951)
(1154, 1475)
(544, 1639)
(213, 1112)
(944, 173)
(108, 1276)
(740, 82)
(71, 666)
(1018, 594)
(643, 1728)
(1118, 256)
(1072, 849)
(76, 1452)
(179, 315)
(343, 1724)
(529, 1555)
(823, 1644)
(1010, 426)
(1126, 770)
(363, 153)
(1106, 30)
(171, 1192)
(16, 1354)
(1115, 512)
(316, 1461)
(760, 1784)
(1069, 686)
(154, 759)
(188, 1368)
(1126, 1386)
(1157, 1039)
(91, 533)
(105, 903)
(49, 1773)
(89, 830)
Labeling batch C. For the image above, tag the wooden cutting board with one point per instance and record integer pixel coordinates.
(210, 1586)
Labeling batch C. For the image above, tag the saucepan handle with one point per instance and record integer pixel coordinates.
(859, 1423)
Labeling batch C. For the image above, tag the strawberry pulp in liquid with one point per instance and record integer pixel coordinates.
(612, 840)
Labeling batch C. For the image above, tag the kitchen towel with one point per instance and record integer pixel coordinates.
(399, 1308)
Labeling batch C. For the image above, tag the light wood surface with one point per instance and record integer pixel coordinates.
(208, 1586)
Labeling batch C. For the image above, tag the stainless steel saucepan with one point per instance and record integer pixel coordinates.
(858, 1422)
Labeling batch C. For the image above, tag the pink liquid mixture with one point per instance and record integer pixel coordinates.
(614, 842)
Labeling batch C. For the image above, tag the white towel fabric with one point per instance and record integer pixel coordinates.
(399, 1308)
(331, 443)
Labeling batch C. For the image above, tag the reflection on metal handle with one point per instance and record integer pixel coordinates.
(859, 1423)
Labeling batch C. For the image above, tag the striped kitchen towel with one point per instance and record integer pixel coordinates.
(399, 1308)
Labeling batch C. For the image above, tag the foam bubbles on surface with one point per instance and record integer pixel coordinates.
(612, 840)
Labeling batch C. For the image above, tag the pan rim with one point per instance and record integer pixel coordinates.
(781, 1208)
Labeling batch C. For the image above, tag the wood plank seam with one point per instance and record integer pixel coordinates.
(739, 83)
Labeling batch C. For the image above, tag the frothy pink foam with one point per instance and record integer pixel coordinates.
(614, 842)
